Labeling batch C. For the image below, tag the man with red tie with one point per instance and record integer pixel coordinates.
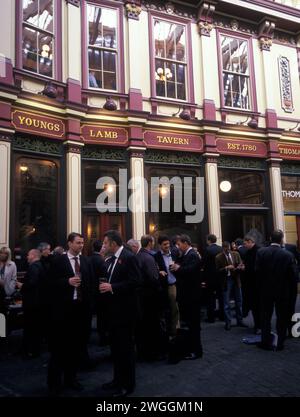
(71, 289)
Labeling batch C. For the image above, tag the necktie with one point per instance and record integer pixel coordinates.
(77, 272)
(111, 262)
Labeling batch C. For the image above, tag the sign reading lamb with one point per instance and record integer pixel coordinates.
(2, 325)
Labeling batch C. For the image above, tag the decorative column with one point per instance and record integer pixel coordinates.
(133, 10)
(212, 191)
(265, 36)
(136, 155)
(73, 159)
(5, 156)
(205, 26)
(275, 184)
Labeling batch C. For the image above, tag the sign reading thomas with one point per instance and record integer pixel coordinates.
(38, 124)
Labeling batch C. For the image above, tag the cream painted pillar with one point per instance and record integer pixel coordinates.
(213, 200)
(276, 195)
(72, 42)
(73, 159)
(7, 24)
(5, 155)
(208, 75)
(136, 78)
(268, 63)
(138, 192)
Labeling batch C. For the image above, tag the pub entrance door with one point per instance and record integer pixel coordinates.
(95, 225)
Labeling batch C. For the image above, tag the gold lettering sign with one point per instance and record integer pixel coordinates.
(36, 123)
(104, 135)
(170, 140)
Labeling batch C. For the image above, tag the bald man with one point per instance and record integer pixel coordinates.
(31, 291)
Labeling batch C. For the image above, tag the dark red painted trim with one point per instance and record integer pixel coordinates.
(5, 115)
(190, 73)
(209, 110)
(120, 33)
(253, 96)
(210, 144)
(57, 40)
(273, 149)
(271, 119)
(293, 11)
(135, 99)
(73, 91)
(73, 130)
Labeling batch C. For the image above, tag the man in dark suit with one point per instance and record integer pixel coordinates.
(164, 259)
(149, 337)
(188, 275)
(211, 278)
(72, 288)
(294, 288)
(276, 272)
(120, 297)
(32, 296)
(250, 283)
(229, 264)
(99, 271)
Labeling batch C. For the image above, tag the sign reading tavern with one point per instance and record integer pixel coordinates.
(104, 135)
(178, 141)
(36, 123)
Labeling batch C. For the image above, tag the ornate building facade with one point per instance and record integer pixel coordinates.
(184, 88)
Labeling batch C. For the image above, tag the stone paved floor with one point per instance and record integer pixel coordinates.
(228, 368)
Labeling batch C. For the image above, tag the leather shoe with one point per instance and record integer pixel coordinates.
(122, 392)
(109, 386)
(264, 347)
(241, 324)
(227, 326)
(193, 356)
(74, 385)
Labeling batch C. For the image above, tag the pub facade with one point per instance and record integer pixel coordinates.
(193, 89)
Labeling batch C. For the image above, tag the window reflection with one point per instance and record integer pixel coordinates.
(236, 74)
(237, 193)
(102, 48)
(170, 60)
(38, 37)
(36, 203)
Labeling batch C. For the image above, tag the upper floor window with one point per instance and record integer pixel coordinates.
(102, 47)
(38, 36)
(236, 73)
(170, 60)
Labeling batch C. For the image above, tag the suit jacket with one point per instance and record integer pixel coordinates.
(221, 263)
(62, 292)
(33, 288)
(276, 272)
(121, 306)
(149, 272)
(162, 267)
(189, 278)
(294, 250)
(209, 264)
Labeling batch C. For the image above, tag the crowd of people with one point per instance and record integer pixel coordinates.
(147, 302)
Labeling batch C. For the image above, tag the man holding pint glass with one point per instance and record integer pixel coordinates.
(71, 291)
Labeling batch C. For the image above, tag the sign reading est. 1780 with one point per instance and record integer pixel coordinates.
(104, 135)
